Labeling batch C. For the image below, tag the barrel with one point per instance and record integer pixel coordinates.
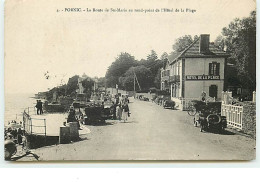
(74, 132)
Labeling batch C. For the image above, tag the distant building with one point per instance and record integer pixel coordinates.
(199, 68)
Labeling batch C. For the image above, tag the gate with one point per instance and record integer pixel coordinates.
(234, 115)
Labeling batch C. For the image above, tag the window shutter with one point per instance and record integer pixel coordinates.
(210, 68)
(217, 70)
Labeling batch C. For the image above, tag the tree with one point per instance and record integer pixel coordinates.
(152, 56)
(182, 42)
(220, 42)
(122, 63)
(240, 39)
(143, 75)
(164, 56)
(102, 82)
(157, 79)
(72, 85)
(88, 84)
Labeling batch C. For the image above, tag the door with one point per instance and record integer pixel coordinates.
(213, 91)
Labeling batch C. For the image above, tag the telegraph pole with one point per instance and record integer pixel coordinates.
(134, 82)
(137, 81)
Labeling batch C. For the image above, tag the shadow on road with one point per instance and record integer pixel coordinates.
(82, 138)
(126, 122)
(100, 124)
(225, 132)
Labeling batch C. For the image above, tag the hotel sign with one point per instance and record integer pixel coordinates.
(202, 77)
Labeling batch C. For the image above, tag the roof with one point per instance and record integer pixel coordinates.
(192, 51)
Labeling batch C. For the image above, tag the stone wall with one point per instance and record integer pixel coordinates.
(249, 118)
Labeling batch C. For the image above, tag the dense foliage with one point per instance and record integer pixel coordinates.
(182, 42)
(240, 40)
(143, 74)
(70, 89)
(121, 71)
(122, 63)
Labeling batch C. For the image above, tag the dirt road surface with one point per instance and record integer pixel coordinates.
(152, 133)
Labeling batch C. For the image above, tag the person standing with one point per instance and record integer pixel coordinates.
(40, 107)
(119, 112)
(37, 107)
(19, 136)
(125, 112)
(114, 110)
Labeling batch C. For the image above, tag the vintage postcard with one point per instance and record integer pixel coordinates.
(125, 80)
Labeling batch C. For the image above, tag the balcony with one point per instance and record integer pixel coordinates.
(165, 78)
(174, 78)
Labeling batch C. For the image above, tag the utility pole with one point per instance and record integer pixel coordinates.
(134, 82)
(137, 81)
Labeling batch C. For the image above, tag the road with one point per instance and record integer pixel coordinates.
(152, 133)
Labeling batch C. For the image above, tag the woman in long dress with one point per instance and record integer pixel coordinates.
(119, 112)
(125, 112)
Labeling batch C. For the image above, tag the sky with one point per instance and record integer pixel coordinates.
(38, 39)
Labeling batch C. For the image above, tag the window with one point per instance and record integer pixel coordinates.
(174, 90)
(214, 68)
(178, 68)
(162, 86)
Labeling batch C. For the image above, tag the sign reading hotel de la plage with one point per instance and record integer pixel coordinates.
(202, 77)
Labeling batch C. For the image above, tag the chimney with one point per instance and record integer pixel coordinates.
(204, 43)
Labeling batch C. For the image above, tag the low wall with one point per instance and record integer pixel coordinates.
(37, 141)
(249, 119)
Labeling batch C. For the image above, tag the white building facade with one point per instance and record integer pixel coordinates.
(200, 68)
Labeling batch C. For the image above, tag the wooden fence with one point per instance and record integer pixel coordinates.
(234, 115)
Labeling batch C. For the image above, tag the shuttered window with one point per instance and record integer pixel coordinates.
(214, 68)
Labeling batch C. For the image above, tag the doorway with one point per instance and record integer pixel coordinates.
(213, 91)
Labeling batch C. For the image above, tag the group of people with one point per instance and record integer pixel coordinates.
(14, 134)
(39, 107)
(120, 109)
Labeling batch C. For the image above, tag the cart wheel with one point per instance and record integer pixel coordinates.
(192, 110)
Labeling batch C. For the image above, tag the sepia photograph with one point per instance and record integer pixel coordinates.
(168, 80)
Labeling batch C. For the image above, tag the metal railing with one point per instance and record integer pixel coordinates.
(174, 78)
(29, 110)
(29, 125)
